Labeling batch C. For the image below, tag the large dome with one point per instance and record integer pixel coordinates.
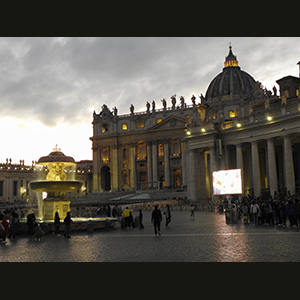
(232, 81)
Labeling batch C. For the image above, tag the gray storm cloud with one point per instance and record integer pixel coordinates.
(58, 80)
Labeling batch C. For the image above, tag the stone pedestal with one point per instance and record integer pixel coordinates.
(53, 205)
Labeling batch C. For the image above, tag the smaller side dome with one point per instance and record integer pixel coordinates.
(56, 156)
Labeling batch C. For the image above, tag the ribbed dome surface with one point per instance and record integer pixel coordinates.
(232, 81)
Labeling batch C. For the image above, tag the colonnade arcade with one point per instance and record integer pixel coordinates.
(270, 166)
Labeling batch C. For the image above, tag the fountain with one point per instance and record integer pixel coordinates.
(56, 178)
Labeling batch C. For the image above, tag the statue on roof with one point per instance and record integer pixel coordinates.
(148, 107)
(173, 100)
(115, 111)
(153, 105)
(182, 104)
(193, 99)
(164, 103)
(132, 109)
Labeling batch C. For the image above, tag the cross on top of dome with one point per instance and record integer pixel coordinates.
(230, 60)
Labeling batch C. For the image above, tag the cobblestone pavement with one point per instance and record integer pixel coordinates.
(206, 239)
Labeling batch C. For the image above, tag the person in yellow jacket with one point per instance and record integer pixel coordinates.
(127, 217)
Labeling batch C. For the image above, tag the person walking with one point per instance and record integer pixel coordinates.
(290, 213)
(167, 213)
(57, 223)
(5, 224)
(156, 218)
(254, 210)
(192, 215)
(38, 232)
(67, 222)
(30, 223)
(126, 216)
(297, 212)
(14, 224)
(141, 219)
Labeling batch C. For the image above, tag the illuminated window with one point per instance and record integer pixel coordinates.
(161, 150)
(105, 155)
(124, 126)
(158, 121)
(104, 128)
(232, 114)
(140, 124)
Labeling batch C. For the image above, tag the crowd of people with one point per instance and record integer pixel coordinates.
(278, 211)
(9, 225)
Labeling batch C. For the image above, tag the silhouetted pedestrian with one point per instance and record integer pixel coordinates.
(14, 224)
(167, 214)
(141, 219)
(38, 232)
(30, 222)
(156, 218)
(67, 222)
(57, 223)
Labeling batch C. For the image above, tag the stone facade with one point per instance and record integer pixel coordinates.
(238, 124)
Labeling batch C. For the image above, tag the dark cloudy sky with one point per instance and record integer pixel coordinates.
(49, 87)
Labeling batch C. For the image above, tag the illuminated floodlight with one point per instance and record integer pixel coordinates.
(269, 118)
(203, 130)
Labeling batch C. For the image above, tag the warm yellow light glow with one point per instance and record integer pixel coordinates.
(124, 126)
(232, 114)
(231, 63)
(203, 130)
(188, 132)
(238, 125)
(269, 118)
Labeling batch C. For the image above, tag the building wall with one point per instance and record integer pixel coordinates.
(141, 150)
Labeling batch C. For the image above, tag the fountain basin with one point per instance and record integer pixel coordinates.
(78, 224)
(55, 186)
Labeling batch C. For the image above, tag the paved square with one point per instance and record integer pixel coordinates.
(206, 239)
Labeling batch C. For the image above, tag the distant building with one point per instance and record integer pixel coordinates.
(15, 178)
(238, 124)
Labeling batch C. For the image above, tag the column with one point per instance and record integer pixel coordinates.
(272, 167)
(96, 164)
(192, 175)
(240, 162)
(213, 162)
(201, 174)
(132, 167)
(167, 164)
(154, 163)
(213, 167)
(184, 155)
(149, 165)
(289, 177)
(255, 169)
(115, 167)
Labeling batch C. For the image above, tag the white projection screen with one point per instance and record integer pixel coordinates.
(226, 182)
